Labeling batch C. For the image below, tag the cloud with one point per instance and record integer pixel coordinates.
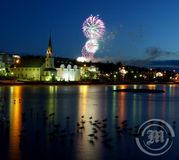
(154, 53)
(151, 54)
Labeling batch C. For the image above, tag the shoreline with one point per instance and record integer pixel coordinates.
(85, 83)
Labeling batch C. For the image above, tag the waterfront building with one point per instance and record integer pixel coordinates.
(5, 62)
(89, 73)
(49, 72)
(28, 69)
(68, 73)
(40, 69)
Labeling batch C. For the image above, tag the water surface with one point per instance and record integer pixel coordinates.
(43, 121)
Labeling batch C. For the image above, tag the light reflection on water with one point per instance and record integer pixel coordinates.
(100, 102)
(15, 121)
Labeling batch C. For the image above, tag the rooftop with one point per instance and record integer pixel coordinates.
(32, 62)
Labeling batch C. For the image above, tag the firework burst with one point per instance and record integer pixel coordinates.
(87, 55)
(92, 45)
(93, 27)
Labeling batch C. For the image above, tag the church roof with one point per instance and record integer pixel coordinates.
(32, 62)
(50, 69)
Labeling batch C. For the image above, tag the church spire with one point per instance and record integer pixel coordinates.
(49, 49)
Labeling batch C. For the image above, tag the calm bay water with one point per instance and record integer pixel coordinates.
(43, 121)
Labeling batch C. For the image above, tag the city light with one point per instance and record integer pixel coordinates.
(17, 61)
(123, 71)
(159, 74)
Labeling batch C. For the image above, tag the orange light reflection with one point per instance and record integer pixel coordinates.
(15, 122)
(122, 106)
(83, 100)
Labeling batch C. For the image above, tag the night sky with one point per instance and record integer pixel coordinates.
(135, 29)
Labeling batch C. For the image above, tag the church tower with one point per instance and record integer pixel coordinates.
(49, 72)
(49, 60)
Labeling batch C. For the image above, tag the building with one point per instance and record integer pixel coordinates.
(29, 68)
(68, 73)
(49, 72)
(5, 61)
(32, 68)
(89, 73)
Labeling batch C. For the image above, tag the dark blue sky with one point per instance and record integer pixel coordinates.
(132, 26)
